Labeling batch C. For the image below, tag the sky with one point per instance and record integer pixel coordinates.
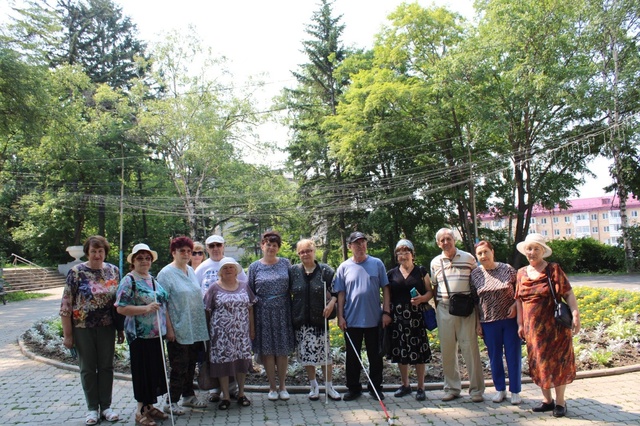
(264, 38)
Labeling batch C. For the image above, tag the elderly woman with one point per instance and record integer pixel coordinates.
(86, 313)
(310, 284)
(197, 255)
(143, 301)
(493, 286)
(229, 303)
(409, 341)
(549, 345)
(269, 281)
(187, 325)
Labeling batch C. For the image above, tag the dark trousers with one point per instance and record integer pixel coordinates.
(353, 368)
(182, 359)
(96, 348)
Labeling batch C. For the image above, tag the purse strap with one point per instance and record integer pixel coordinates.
(444, 277)
(553, 291)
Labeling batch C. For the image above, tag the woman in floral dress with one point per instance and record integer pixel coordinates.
(229, 305)
(549, 345)
(269, 281)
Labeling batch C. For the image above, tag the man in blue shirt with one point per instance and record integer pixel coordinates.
(358, 281)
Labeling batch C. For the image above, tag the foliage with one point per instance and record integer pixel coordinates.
(586, 255)
(17, 296)
(605, 305)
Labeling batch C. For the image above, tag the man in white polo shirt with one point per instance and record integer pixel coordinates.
(452, 269)
(207, 272)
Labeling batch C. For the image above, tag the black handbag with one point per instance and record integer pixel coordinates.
(561, 312)
(460, 304)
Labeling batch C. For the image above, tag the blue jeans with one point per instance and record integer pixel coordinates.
(501, 337)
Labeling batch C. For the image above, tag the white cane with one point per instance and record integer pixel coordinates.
(164, 361)
(326, 348)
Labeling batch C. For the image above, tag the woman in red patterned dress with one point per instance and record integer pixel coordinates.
(549, 345)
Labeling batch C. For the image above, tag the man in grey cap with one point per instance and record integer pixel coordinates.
(207, 272)
(358, 281)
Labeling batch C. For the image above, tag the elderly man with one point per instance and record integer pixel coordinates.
(358, 281)
(450, 272)
(207, 272)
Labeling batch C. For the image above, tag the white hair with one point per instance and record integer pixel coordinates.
(445, 231)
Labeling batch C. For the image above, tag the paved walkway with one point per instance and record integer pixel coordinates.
(33, 393)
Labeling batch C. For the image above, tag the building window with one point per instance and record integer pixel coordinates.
(567, 231)
(532, 221)
(567, 219)
(605, 215)
(594, 216)
(555, 219)
(617, 227)
(634, 213)
(556, 232)
(615, 214)
(543, 221)
(582, 229)
(545, 232)
(605, 229)
(594, 230)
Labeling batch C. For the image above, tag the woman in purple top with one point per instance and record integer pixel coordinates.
(493, 286)
(269, 281)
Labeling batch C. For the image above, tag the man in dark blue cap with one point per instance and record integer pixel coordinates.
(358, 281)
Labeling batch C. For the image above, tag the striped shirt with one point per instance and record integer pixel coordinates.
(456, 270)
(495, 289)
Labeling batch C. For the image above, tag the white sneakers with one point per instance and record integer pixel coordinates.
(283, 395)
(273, 396)
(499, 396)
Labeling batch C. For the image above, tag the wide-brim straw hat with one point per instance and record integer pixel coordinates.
(142, 247)
(537, 239)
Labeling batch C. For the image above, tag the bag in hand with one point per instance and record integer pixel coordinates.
(429, 318)
(461, 305)
(563, 315)
(118, 319)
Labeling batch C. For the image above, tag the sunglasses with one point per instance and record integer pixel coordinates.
(212, 245)
(197, 253)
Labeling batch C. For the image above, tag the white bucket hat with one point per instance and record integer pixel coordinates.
(142, 247)
(230, 261)
(537, 239)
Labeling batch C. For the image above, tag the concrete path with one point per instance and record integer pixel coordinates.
(33, 393)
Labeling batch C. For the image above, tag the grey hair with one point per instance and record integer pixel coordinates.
(445, 231)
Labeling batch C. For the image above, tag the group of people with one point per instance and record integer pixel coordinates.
(209, 312)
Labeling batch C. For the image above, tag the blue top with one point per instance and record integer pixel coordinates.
(186, 308)
(361, 283)
(137, 291)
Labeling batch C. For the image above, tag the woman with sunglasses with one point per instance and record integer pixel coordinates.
(197, 255)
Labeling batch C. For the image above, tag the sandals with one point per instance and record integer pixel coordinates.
(109, 415)
(155, 414)
(143, 420)
(193, 402)
(243, 401)
(214, 397)
(224, 404)
(92, 418)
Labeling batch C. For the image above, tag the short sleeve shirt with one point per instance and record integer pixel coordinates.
(457, 272)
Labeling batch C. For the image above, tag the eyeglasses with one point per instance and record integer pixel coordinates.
(212, 245)
(144, 258)
(197, 253)
(303, 252)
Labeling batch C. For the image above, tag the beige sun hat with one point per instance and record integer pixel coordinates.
(142, 247)
(537, 239)
(230, 261)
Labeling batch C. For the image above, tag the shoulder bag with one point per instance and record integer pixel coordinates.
(428, 314)
(562, 312)
(460, 304)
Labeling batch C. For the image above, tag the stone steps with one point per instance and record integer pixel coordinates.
(29, 279)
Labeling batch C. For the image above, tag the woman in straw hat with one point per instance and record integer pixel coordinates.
(549, 345)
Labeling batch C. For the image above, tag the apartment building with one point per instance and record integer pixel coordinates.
(598, 218)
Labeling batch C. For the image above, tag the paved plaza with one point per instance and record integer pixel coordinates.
(35, 393)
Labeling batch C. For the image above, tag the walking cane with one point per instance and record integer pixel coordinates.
(164, 361)
(326, 348)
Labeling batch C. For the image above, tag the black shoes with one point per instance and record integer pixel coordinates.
(350, 396)
(420, 396)
(543, 407)
(373, 394)
(559, 411)
(402, 391)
